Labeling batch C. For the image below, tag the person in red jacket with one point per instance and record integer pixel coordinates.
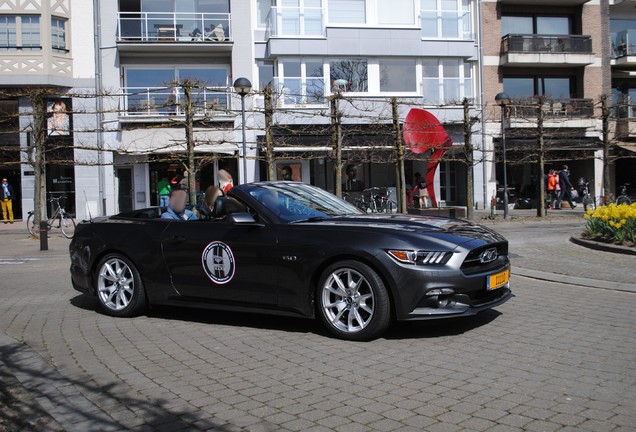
(551, 187)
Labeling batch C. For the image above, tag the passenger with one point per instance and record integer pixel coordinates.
(206, 209)
(176, 207)
(225, 181)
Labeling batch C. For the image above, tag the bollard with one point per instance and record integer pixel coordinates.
(44, 236)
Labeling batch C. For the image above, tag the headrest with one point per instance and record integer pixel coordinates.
(224, 206)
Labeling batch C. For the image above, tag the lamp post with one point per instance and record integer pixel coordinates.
(243, 86)
(503, 100)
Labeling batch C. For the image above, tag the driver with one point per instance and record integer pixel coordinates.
(176, 207)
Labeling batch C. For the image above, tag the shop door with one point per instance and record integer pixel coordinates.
(124, 189)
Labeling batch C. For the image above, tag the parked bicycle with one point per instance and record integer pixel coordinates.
(59, 219)
(586, 198)
(622, 198)
(377, 200)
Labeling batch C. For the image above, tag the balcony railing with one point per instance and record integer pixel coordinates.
(561, 44)
(174, 27)
(166, 101)
(295, 21)
(624, 43)
(299, 91)
(552, 108)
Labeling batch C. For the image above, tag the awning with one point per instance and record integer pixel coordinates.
(199, 149)
(628, 147)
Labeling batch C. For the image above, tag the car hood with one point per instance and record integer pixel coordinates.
(432, 226)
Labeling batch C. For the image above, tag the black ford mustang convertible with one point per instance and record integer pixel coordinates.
(293, 249)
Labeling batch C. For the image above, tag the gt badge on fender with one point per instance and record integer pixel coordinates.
(218, 262)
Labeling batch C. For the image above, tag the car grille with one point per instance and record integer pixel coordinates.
(472, 263)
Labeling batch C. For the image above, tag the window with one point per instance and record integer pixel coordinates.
(58, 34)
(148, 91)
(446, 81)
(526, 87)
(347, 11)
(447, 19)
(397, 75)
(536, 24)
(301, 81)
(7, 32)
(396, 12)
(265, 74)
(30, 32)
(349, 75)
(262, 12)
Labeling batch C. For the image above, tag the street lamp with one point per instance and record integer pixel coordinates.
(243, 86)
(503, 100)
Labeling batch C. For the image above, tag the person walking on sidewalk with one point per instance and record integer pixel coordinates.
(6, 200)
(551, 188)
(566, 188)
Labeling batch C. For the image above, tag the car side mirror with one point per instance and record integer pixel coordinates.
(241, 218)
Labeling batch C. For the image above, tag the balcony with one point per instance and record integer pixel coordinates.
(624, 47)
(185, 29)
(141, 103)
(546, 50)
(299, 92)
(553, 109)
(296, 22)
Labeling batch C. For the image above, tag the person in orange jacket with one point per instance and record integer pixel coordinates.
(551, 187)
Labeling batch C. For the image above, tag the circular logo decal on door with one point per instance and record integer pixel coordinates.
(218, 262)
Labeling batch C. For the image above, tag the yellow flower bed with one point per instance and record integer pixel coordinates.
(616, 223)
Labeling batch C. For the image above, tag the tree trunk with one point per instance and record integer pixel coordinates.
(541, 162)
(468, 158)
(269, 139)
(399, 164)
(189, 136)
(336, 140)
(38, 160)
(607, 180)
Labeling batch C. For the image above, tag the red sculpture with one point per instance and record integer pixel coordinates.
(422, 132)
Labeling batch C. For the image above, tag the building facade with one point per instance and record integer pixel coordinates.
(137, 57)
(549, 57)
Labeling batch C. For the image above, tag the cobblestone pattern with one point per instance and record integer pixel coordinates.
(556, 357)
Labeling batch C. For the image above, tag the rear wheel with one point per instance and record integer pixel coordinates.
(119, 287)
(33, 229)
(623, 200)
(353, 301)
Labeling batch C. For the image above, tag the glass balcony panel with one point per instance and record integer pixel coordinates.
(163, 101)
(299, 91)
(174, 27)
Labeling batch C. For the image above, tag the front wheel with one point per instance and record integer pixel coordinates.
(623, 200)
(67, 225)
(120, 289)
(353, 301)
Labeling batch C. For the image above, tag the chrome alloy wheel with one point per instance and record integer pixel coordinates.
(347, 300)
(115, 285)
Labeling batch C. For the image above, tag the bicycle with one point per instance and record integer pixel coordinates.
(586, 198)
(64, 222)
(623, 198)
(377, 200)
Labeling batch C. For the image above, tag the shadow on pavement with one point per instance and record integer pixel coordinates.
(398, 330)
(76, 404)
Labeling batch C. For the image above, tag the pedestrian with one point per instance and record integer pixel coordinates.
(420, 191)
(225, 181)
(566, 188)
(163, 188)
(551, 188)
(6, 200)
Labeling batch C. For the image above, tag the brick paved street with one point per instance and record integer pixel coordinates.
(556, 357)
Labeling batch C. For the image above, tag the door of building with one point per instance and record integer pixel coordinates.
(447, 182)
(124, 189)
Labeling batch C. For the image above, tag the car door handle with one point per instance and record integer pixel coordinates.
(175, 239)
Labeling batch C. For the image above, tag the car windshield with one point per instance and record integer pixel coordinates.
(295, 202)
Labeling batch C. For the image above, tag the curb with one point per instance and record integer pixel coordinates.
(573, 280)
(605, 247)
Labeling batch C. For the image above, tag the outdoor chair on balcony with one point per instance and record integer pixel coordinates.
(557, 108)
(542, 44)
(216, 34)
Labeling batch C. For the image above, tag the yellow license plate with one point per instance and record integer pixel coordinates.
(497, 280)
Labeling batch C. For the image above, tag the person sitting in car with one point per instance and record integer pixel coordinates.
(176, 207)
(206, 209)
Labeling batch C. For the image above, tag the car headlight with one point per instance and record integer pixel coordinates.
(421, 257)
